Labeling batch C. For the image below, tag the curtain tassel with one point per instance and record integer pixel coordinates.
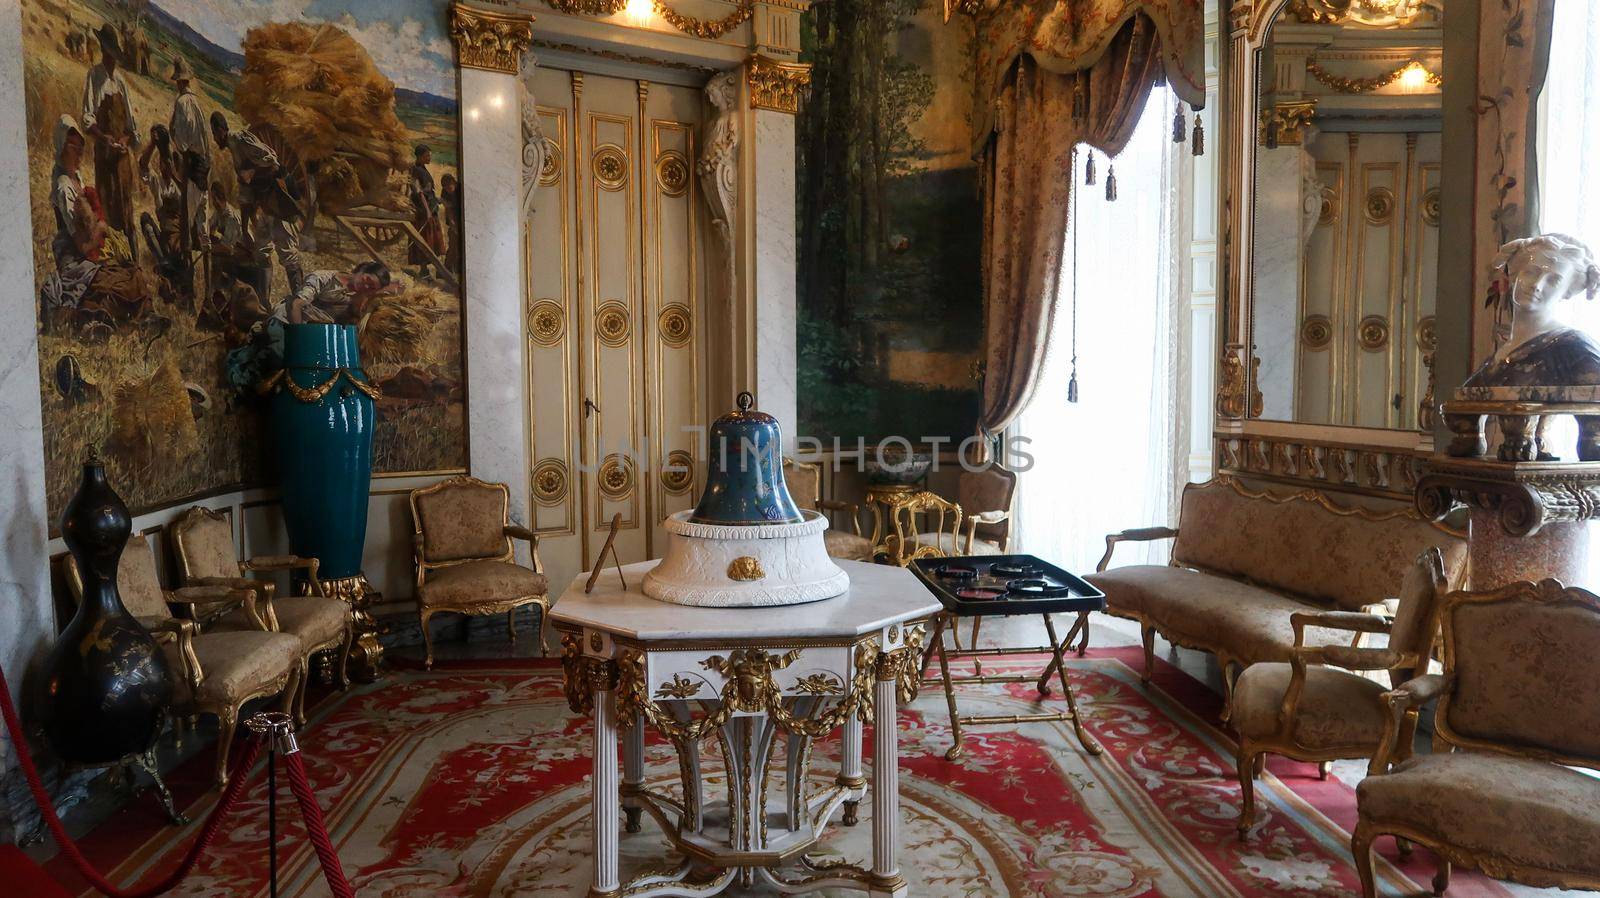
(1179, 125)
(1111, 184)
(1088, 169)
(1072, 383)
(1198, 147)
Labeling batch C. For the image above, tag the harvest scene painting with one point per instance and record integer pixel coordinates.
(890, 296)
(204, 171)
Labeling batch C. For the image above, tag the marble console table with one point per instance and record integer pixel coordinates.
(755, 674)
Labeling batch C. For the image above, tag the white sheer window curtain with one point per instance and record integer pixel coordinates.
(1108, 461)
(1569, 133)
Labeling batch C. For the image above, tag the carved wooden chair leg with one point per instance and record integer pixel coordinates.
(1361, 850)
(300, 692)
(1441, 876)
(544, 626)
(1260, 765)
(1247, 791)
(1229, 675)
(427, 640)
(1323, 769)
(1148, 633)
(227, 725)
(343, 667)
(1403, 846)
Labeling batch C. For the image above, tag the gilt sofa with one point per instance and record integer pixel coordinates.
(1244, 562)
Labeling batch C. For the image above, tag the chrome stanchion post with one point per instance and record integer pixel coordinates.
(278, 729)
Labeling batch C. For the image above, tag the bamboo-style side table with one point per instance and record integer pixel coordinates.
(755, 674)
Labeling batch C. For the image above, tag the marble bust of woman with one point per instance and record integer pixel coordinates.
(1540, 274)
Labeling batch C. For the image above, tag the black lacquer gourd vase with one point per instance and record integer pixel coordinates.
(107, 686)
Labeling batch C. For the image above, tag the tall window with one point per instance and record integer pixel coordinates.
(1107, 461)
(1569, 128)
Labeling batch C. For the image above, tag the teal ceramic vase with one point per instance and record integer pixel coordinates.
(322, 420)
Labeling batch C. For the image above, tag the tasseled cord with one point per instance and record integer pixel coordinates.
(1180, 125)
(1179, 135)
(1088, 169)
(1198, 147)
(1111, 183)
(1072, 381)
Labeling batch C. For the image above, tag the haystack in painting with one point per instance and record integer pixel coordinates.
(319, 89)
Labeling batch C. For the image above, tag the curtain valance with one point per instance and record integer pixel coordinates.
(1065, 36)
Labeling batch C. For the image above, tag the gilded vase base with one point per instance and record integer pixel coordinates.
(366, 653)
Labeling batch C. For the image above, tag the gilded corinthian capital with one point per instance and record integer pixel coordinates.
(490, 39)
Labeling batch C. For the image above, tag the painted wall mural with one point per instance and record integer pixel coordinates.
(203, 171)
(890, 295)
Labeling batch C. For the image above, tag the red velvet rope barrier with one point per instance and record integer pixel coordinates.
(41, 796)
(315, 827)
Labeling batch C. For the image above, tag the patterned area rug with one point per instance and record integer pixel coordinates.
(470, 781)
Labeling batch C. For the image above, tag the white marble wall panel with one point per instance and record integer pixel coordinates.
(491, 169)
(775, 270)
(1277, 275)
(26, 618)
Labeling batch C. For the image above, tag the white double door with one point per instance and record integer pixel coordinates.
(614, 325)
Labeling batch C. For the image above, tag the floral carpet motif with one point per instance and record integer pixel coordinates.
(471, 781)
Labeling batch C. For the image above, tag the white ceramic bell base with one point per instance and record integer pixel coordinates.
(745, 566)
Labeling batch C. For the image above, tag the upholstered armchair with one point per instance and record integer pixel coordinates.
(1315, 707)
(805, 485)
(465, 559)
(203, 541)
(215, 671)
(986, 496)
(1516, 712)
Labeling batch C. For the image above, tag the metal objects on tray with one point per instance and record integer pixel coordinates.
(987, 585)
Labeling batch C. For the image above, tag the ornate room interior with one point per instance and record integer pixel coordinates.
(1135, 448)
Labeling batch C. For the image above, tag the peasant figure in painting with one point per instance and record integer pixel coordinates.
(1539, 277)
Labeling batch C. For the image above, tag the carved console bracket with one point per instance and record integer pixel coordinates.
(1233, 386)
(490, 39)
(1525, 495)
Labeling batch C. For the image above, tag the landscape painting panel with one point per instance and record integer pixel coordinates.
(890, 293)
(204, 172)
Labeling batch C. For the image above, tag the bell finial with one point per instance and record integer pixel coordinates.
(745, 401)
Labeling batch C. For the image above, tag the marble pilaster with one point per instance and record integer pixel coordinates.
(774, 301)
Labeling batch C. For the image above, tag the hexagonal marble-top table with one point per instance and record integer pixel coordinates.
(753, 674)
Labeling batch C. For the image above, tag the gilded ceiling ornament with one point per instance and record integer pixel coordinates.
(489, 39)
(612, 323)
(1380, 206)
(675, 325)
(1368, 85)
(1373, 333)
(616, 477)
(550, 481)
(1316, 332)
(588, 7)
(710, 29)
(672, 173)
(776, 85)
(677, 475)
(547, 322)
(1381, 13)
(610, 167)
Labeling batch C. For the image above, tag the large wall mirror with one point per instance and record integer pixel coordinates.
(1346, 212)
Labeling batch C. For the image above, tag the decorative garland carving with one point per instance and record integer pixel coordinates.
(315, 394)
(1288, 120)
(708, 29)
(776, 85)
(1380, 13)
(490, 40)
(1232, 385)
(1368, 85)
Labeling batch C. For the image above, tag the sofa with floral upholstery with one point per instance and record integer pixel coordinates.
(1244, 561)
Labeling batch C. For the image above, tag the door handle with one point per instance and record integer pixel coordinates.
(589, 407)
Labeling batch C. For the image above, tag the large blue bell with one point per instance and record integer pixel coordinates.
(744, 476)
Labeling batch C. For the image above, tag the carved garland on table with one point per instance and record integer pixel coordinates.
(1368, 85)
(315, 394)
(494, 41)
(710, 29)
(776, 85)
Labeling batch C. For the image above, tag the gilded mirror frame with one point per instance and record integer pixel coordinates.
(1365, 460)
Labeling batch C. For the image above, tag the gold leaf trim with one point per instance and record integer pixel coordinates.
(547, 322)
(776, 85)
(613, 324)
(485, 39)
(1368, 85)
(550, 482)
(610, 165)
(675, 325)
(315, 394)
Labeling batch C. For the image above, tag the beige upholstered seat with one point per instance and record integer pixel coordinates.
(805, 486)
(1516, 711)
(203, 541)
(216, 672)
(465, 561)
(1314, 707)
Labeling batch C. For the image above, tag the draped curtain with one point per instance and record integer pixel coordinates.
(1046, 104)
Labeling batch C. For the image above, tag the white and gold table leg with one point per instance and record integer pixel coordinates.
(850, 766)
(604, 799)
(886, 879)
(633, 773)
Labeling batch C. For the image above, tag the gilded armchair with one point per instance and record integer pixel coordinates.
(465, 558)
(925, 525)
(805, 485)
(217, 671)
(1315, 707)
(1516, 713)
(203, 541)
(984, 522)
